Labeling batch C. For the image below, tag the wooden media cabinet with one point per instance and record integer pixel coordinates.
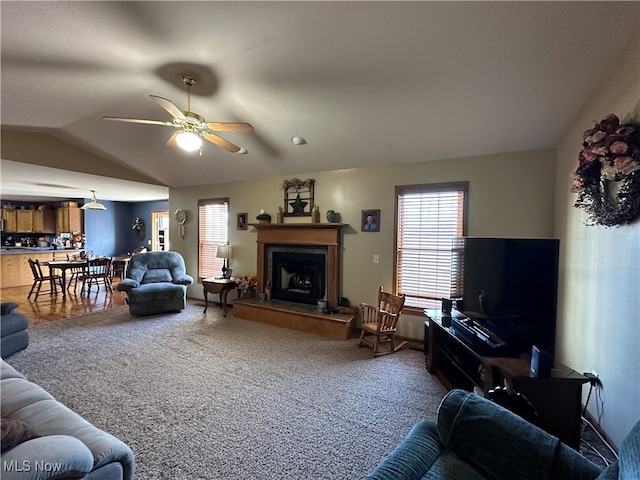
(556, 399)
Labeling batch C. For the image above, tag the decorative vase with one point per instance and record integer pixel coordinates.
(280, 216)
(250, 293)
(331, 215)
(315, 215)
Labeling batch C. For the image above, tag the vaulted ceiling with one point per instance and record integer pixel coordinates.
(365, 83)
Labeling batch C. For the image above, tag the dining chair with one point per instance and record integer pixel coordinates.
(39, 278)
(97, 270)
(76, 273)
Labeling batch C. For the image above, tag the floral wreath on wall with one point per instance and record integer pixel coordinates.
(607, 179)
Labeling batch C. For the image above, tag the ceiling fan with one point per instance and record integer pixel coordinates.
(193, 127)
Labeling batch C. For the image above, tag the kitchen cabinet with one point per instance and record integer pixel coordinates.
(35, 221)
(15, 270)
(25, 220)
(44, 221)
(68, 220)
(10, 219)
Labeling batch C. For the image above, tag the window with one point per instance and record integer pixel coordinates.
(428, 217)
(213, 221)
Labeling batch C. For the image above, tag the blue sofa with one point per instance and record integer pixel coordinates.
(43, 439)
(156, 283)
(476, 439)
(13, 330)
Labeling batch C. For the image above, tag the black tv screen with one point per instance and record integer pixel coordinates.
(510, 285)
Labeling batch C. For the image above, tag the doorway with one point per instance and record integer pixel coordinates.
(160, 231)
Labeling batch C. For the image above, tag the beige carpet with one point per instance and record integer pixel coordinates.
(205, 397)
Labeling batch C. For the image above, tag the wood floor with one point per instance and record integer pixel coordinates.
(48, 308)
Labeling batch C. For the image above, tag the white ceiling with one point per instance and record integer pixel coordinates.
(366, 83)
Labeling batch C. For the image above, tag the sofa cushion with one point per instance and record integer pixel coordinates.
(7, 371)
(157, 275)
(14, 432)
(51, 419)
(151, 292)
(65, 457)
(466, 420)
(629, 455)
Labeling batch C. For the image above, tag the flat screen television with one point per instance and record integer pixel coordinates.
(510, 286)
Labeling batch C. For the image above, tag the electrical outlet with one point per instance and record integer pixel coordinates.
(376, 258)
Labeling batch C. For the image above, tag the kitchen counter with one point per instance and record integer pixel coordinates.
(30, 250)
(14, 266)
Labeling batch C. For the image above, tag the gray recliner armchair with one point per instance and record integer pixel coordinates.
(156, 283)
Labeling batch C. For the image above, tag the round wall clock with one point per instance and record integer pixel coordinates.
(181, 216)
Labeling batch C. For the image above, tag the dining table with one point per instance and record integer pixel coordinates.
(63, 266)
(120, 264)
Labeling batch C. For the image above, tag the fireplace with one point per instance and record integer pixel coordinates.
(302, 262)
(301, 238)
(298, 274)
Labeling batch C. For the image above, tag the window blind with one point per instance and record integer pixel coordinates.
(213, 230)
(428, 217)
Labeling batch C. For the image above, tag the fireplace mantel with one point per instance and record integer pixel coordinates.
(324, 234)
(299, 233)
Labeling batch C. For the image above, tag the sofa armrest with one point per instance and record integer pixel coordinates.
(413, 457)
(495, 441)
(51, 456)
(127, 284)
(183, 279)
(7, 307)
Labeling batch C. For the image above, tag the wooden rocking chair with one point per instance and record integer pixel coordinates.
(379, 323)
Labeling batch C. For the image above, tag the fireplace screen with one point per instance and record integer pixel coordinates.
(298, 277)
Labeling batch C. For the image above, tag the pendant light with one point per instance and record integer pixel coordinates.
(93, 204)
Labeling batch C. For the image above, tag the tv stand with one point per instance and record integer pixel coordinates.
(459, 363)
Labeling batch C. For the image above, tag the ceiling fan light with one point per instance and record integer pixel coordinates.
(188, 141)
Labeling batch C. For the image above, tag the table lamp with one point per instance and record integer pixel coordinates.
(225, 252)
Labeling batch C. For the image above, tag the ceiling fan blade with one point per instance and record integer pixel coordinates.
(140, 120)
(221, 142)
(230, 127)
(168, 105)
(172, 141)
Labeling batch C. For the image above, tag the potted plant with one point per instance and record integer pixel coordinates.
(263, 217)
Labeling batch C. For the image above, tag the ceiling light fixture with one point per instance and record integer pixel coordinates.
(188, 141)
(298, 140)
(93, 204)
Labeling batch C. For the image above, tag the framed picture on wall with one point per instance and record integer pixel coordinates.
(241, 222)
(370, 221)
